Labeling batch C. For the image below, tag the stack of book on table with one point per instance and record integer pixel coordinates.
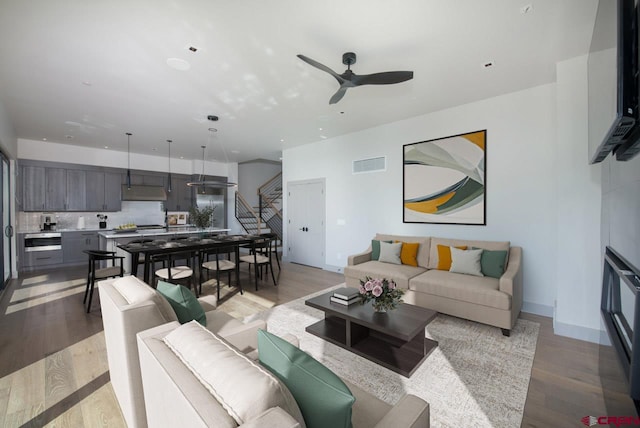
(346, 296)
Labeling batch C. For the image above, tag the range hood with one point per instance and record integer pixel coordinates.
(143, 193)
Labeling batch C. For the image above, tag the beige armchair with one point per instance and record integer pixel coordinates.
(130, 306)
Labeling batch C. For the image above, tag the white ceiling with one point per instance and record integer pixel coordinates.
(86, 71)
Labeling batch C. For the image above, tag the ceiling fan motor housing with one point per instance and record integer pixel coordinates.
(348, 58)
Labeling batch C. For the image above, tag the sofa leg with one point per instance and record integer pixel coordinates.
(506, 332)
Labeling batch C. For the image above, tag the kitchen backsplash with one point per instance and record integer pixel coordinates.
(137, 212)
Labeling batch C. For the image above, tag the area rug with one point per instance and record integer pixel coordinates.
(476, 377)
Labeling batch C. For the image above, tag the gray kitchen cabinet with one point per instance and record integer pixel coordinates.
(76, 190)
(74, 243)
(33, 188)
(112, 189)
(56, 189)
(181, 197)
(103, 191)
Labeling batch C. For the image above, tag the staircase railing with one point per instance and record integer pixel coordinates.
(248, 218)
(270, 194)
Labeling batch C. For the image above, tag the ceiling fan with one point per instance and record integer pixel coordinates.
(349, 79)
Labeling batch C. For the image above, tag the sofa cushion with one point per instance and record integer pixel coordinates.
(242, 387)
(485, 245)
(183, 302)
(376, 269)
(390, 253)
(409, 253)
(133, 290)
(467, 262)
(481, 290)
(324, 399)
(375, 249)
(493, 263)
(444, 256)
(423, 251)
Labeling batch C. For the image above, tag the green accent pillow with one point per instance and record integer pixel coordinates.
(375, 249)
(493, 263)
(183, 302)
(323, 398)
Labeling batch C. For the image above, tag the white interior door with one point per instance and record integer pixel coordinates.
(306, 225)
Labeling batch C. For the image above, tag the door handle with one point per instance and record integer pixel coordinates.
(304, 229)
(8, 231)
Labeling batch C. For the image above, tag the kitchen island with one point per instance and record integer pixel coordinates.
(110, 239)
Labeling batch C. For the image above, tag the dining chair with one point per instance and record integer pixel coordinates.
(222, 263)
(173, 272)
(274, 245)
(259, 256)
(95, 272)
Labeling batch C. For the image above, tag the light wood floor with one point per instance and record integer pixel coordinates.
(54, 372)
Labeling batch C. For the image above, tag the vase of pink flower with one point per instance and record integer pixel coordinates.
(384, 293)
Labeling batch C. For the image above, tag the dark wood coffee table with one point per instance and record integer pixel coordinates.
(394, 340)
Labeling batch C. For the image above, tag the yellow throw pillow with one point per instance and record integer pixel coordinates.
(444, 256)
(409, 253)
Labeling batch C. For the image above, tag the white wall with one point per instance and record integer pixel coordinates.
(254, 174)
(8, 140)
(579, 259)
(522, 193)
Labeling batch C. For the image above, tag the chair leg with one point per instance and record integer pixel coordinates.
(90, 294)
(270, 267)
(86, 290)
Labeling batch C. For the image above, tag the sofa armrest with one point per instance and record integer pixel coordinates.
(508, 279)
(273, 417)
(287, 336)
(208, 303)
(356, 259)
(410, 412)
(245, 336)
(511, 282)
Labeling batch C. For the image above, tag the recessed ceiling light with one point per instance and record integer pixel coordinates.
(526, 9)
(44, 139)
(319, 129)
(69, 137)
(235, 151)
(155, 149)
(280, 157)
(282, 140)
(178, 64)
(85, 83)
(106, 147)
(323, 137)
(181, 157)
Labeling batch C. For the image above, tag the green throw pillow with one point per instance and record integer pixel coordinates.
(183, 302)
(323, 398)
(375, 249)
(492, 263)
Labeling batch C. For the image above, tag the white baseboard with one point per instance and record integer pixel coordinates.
(537, 309)
(581, 333)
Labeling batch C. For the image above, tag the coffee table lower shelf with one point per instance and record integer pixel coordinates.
(398, 355)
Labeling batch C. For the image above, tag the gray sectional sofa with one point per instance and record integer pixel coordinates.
(493, 301)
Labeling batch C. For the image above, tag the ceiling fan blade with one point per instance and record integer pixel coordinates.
(338, 95)
(385, 78)
(322, 67)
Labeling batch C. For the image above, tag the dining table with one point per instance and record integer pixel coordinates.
(195, 244)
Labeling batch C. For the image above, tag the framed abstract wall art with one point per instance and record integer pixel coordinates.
(444, 180)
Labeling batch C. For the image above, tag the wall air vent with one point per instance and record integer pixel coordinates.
(370, 165)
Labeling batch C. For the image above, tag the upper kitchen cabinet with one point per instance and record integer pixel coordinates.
(33, 188)
(103, 191)
(181, 196)
(76, 190)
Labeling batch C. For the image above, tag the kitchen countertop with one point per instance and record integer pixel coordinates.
(110, 234)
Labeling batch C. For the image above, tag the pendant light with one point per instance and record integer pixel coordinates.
(169, 176)
(128, 161)
(202, 182)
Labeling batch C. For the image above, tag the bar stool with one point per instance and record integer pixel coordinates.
(95, 273)
(220, 264)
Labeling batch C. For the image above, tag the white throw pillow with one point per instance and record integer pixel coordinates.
(467, 262)
(390, 253)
